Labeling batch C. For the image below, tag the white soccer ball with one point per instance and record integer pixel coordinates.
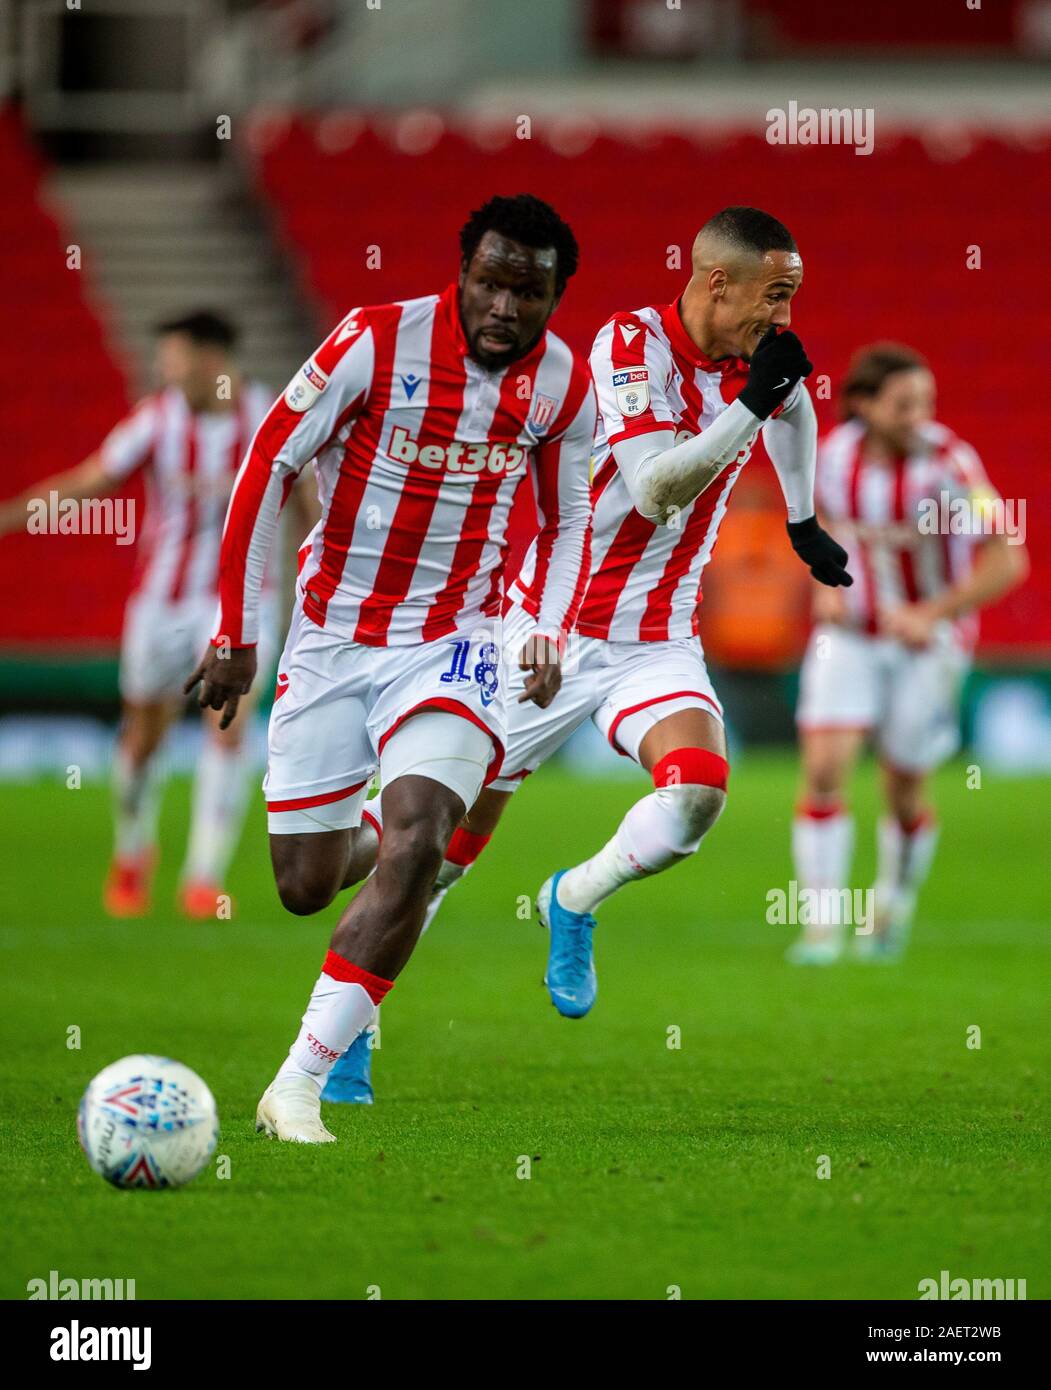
(148, 1122)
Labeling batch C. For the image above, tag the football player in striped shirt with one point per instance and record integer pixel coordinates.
(424, 418)
(187, 438)
(683, 391)
(924, 531)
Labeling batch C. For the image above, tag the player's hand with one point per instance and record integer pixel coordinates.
(912, 624)
(777, 364)
(815, 547)
(224, 678)
(542, 657)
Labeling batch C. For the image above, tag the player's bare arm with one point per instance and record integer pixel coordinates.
(88, 479)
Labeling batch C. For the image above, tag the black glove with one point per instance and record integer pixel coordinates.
(777, 364)
(815, 547)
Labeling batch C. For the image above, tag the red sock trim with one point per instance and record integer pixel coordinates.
(465, 847)
(340, 969)
(696, 765)
(924, 821)
(810, 811)
(367, 815)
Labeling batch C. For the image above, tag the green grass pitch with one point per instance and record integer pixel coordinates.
(651, 1168)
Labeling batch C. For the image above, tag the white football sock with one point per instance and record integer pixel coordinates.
(220, 796)
(337, 1013)
(657, 831)
(136, 801)
(905, 858)
(822, 848)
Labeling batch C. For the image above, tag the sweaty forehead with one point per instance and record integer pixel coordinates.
(780, 267)
(496, 252)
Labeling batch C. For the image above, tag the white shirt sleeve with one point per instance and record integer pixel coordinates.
(129, 444)
(791, 441)
(329, 390)
(663, 477)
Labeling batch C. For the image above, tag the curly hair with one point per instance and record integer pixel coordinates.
(527, 220)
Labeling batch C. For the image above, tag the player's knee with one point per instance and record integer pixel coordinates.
(692, 809)
(411, 854)
(825, 780)
(691, 788)
(304, 890)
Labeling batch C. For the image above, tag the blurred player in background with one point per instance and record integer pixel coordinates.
(887, 658)
(189, 437)
(683, 391)
(424, 417)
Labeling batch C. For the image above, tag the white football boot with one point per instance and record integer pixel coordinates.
(290, 1110)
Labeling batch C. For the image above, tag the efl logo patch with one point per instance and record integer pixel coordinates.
(305, 387)
(632, 386)
(541, 415)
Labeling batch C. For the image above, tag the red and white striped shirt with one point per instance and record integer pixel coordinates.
(644, 583)
(419, 453)
(191, 462)
(881, 512)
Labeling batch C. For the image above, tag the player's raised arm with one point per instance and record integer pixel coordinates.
(662, 476)
(124, 450)
(563, 544)
(791, 442)
(325, 395)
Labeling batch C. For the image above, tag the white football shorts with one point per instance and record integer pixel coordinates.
(163, 643)
(909, 700)
(625, 688)
(339, 704)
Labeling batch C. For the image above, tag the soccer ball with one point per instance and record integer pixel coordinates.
(147, 1122)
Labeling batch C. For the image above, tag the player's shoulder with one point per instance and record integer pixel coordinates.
(839, 444)
(636, 330)
(948, 452)
(167, 402)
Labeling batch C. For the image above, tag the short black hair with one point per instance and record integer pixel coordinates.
(751, 229)
(204, 327)
(528, 220)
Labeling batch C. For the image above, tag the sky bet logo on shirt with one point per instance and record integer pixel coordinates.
(457, 457)
(632, 385)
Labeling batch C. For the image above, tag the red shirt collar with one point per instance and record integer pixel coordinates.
(683, 345)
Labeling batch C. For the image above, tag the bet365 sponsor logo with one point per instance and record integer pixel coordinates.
(457, 457)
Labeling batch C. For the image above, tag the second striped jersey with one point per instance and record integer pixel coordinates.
(644, 582)
(419, 451)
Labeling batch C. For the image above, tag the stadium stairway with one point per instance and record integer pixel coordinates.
(160, 241)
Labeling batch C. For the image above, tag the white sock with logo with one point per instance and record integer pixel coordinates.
(337, 1013)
